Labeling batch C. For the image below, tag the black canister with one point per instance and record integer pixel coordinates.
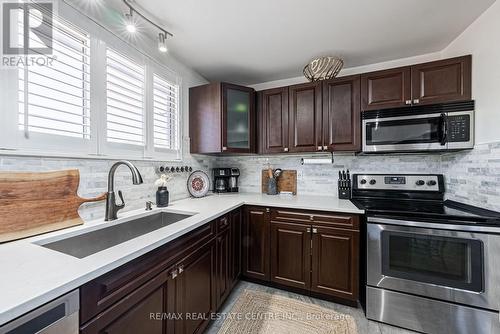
(162, 197)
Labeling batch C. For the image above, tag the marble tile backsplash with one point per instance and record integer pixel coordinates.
(94, 175)
(471, 176)
(322, 179)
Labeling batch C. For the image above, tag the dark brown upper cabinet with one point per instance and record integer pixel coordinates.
(222, 119)
(312, 117)
(386, 89)
(305, 117)
(341, 114)
(442, 81)
(273, 120)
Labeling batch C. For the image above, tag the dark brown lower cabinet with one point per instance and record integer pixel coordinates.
(136, 313)
(236, 222)
(255, 243)
(335, 261)
(291, 254)
(176, 288)
(315, 252)
(223, 277)
(194, 291)
(173, 289)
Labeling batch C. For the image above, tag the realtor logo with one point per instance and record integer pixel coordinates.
(27, 33)
(27, 28)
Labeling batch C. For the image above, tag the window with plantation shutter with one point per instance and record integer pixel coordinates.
(124, 100)
(165, 114)
(93, 95)
(55, 99)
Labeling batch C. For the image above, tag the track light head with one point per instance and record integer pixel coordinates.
(162, 42)
(129, 23)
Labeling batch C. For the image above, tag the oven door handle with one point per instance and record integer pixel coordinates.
(443, 129)
(433, 225)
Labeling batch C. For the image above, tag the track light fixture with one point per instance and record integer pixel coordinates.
(130, 25)
(129, 22)
(162, 42)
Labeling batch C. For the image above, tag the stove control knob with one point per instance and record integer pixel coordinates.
(431, 183)
(420, 182)
(372, 182)
(363, 181)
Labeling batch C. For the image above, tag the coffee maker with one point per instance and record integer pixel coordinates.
(226, 180)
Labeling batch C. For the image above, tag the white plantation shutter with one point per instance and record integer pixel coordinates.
(165, 114)
(95, 96)
(55, 99)
(124, 100)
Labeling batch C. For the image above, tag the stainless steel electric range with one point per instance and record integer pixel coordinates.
(431, 265)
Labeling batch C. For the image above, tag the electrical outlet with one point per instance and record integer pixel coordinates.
(300, 175)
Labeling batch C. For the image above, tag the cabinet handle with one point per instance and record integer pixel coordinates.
(315, 230)
(268, 210)
(325, 148)
(320, 148)
(174, 273)
(416, 101)
(308, 230)
(224, 148)
(311, 218)
(408, 102)
(181, 269)
(285, 149)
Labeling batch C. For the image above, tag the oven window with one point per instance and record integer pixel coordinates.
(451, 262)
(408, 131)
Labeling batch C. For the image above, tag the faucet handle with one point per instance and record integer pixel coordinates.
(122, 205)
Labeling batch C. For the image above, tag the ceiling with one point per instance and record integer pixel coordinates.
(256, 41)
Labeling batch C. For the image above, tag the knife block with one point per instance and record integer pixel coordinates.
(344, 192)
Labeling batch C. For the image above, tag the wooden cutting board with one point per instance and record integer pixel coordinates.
(34, 203)
(287, 182)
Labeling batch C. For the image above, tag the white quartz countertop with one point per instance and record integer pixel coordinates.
(32, 275)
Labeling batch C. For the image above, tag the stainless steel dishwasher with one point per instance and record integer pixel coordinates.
(59, 316)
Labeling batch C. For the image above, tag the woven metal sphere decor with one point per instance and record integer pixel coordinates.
(323, 68)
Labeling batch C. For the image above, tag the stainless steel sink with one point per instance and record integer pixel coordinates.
(88, 243)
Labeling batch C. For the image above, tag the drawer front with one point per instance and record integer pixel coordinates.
(223, 223)
(132, 314)
(106, 290)
(316, 217)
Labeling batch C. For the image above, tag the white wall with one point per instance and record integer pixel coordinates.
(482, 40)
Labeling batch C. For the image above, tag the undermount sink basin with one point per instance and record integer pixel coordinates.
(88, 243)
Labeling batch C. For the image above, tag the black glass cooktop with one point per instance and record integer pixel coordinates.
(442, 210)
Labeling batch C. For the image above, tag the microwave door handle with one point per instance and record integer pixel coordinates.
(444, 129)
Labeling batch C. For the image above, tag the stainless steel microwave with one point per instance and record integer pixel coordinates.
(440, 127)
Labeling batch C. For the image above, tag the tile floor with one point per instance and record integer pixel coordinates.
(364, 326)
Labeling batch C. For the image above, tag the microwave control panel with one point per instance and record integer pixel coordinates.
(458, 128)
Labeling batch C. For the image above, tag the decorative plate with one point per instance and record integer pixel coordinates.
(198, 184)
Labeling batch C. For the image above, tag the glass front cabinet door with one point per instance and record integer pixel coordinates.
(238, 133)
